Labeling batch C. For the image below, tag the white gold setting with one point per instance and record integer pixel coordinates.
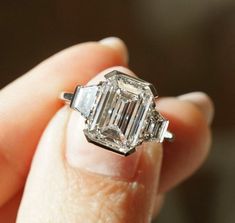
(120, 113)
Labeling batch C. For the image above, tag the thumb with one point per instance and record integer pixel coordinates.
(74, 181)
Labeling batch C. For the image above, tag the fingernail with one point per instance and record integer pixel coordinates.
(117, 44)
(202, 101)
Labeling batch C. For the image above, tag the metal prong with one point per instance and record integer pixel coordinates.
(67, 97)
(169, 136)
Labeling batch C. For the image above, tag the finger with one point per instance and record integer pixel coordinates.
(27, 104)
(158, 204)
(9, 211)
(189, 121)
(169, 176)
(74, 181)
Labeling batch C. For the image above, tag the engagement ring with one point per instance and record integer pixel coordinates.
(120, 113)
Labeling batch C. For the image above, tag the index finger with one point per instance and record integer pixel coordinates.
(27, 104)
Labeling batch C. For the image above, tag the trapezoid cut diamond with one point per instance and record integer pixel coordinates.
(118, 119)
(84, 99)
(156, 127)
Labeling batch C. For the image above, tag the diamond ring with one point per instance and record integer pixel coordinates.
(120, 112)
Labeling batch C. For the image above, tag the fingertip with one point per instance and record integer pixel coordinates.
(202, 101)
(191, 145)
(118, 45)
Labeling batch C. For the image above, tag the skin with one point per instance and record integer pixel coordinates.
(55, 191)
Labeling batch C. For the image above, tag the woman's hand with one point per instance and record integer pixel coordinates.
(63, 178)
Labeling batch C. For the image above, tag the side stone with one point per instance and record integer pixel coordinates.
(84, 99)
(156, 127)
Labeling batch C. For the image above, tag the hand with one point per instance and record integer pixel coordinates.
(67, 179)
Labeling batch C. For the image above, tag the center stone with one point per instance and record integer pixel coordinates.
(119, 115)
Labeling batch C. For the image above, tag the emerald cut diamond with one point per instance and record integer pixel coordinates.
(120, 113)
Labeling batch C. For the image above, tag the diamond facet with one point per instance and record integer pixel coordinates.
(118, 118)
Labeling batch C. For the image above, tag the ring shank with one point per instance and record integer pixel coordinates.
(66, 96)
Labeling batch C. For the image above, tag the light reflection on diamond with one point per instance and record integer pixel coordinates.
(118, 120)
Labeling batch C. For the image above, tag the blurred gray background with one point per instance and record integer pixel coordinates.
(180, 46)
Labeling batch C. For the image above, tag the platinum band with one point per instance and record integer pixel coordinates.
(66, 97)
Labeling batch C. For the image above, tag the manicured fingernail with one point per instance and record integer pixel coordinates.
(202, 101)
(117, 44)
